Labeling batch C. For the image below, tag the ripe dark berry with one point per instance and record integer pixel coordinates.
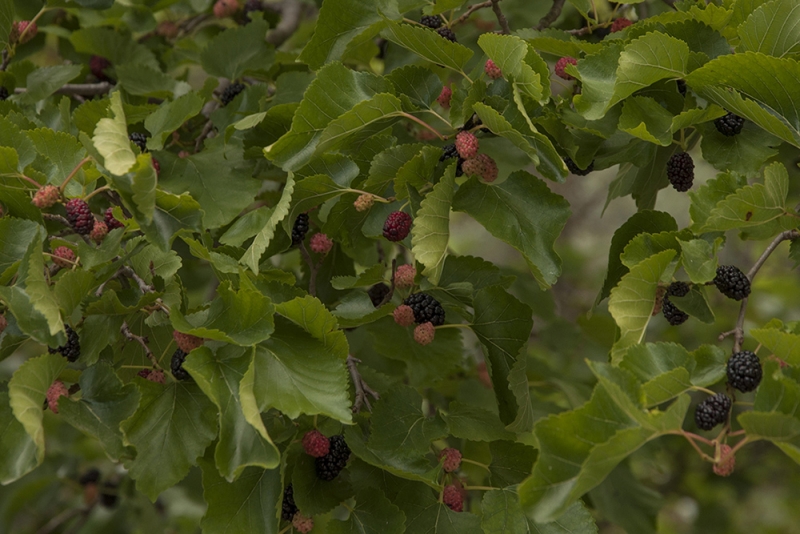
(712, 411)
(231, 92)
(744, 371)
(288, 507)
(377, 293)
(426, 309)
(678, 289)
(574, 169)
(681, 87)
(448, 152)
(466, 144)
(109, 494)
(433, 22)
(3, 93)
(561, 64)
(98, 65)
(316, 444)
(453, 498)
(680, 171)
(620, 24)
(71, 350)
(329, 466)
(300, 229)
(732, 282)
(110, 221)
(447, 33)
(397, 226)
(92, 476)
(80, 216)
(176, 365)
(139, 140)
(729, 125)
(672, 313)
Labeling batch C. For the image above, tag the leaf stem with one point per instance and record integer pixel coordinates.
(96, 191)
(473, 462)
(454, 325)
(479, 488)
(423, 124)
(506, 30)
(72, 174)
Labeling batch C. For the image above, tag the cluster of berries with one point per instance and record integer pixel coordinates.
(109, 491)
(423, 309)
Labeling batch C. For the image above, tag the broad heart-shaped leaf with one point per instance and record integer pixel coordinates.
(138, 188)
(16, 236)
(37, 288)
(295, 373)
(239, 445)
(199, 174)
(17, 448)
(773, 28)
(417, 172)
(142, 80)
(509, 52)
(644, 118)
(744, 153)
(250, 504)
(341, 21)
(536, 145)
(430, 232)
(767, 80)
(627, 502)
(579, 448)
(631, 302)
(243, 317)
(169, 117)
(372, 514)
(310, 314)
(44, 81)
(263, 238)
(524, 213)
(319, 107)
(503, 325)
(310, 192)
(62, 149)
(366, 118)
(104, 403)
(27, 390)
(110, 138)
(784, 345)
(171, 428)
(502, 513)
(475, 424)
(759, 209)
(436, 518)
(399, 424)
(699, 258)
(707, 196)
(237, 50)
(428, 44)
(6, 20)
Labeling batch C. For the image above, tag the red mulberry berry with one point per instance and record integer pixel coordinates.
(302, 523)
(186, 342)
(404, 276)
(64, 257)
(4, 323)
(156, 165)
(620, 24)
(99, 232)
(397, 226)
(316, 444)
(561, 65)
(98, 66)
(57, 389)
(492, 69)
(481, 165)
(24, 36)
(79, 216)
(321, 243)
(110, 221)
(46, 196)
(225, 8)
(424, 333)
(452, 459)
(403, 315)
(444, 97)
(453, 498)
(727, 461)
(466, 144)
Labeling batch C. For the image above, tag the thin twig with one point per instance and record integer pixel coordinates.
(59, 520)
(473, 8)
(783, 236)
(198, 143)
(390, 294)
(6, 60)
(141, 340)
(74, 171)
(551, 16)
(362, 388)
(500, 17)
(312, 270)
(144, 287)
(291, 13)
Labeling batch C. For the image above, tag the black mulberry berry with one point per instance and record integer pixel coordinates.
(447, 33)
(377, 293)
(79, 216)
(71, 350)
(176, 365)
(729, 125)
(672, 313)
(139, 140)
(397, 226)
(329, 466)
(574, 169)
(681, 87)
(744, 371)
(92, 476)
(732, 282)
(300, 229)
(109, 495)
(433, 22)
(680, 171)
(3, 93)
(449, 151)
(678, 289)
(288, 507)
(712, 411)
(426, 309)
(231, 92)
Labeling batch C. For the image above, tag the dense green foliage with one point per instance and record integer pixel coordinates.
(225, 220)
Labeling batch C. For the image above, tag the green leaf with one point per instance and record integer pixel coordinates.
(6, 20)
(475, 424)
(294, 373)
(773, 28)
(17, 449)
(509, 52)
(699, 258)
(169, 117)
(16, 236)
(334, 31)
(524, 213)
(313, 495)
(428, 44)
(437, 518)
(243, 317)
(310, 314)
(137, 187)
(171, 428)
(263, 238)
(372, 514)
(238, 50)
(502, 513)
(503, 325)
(144, 80)
(250, 504)
(511, 462)
(110, 138)
(400, 425)
(707, 196)
(114, 45)
(104, 403)
(31, 271)
(759, 208)
(781, 429)
(365, 119)
(644, 118)
(239, 445)
(784, 345)
(27, 391)
(44, 81)
(430, 232)
(62, 149)
(386, 165)
(631, 302)
(627, 502)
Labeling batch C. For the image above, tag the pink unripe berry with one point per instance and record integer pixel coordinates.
(99, 232)
(444, 97)
(321, 243)
(725, 468)
(316, 444)
(64, 257)
(403, 315)
(561, 64)
(225, 8)
(364, 202)
(46, 196)
(466, 144)
(57, 389)
(404, 276)
(424, 333)
(186, 342)
(620, 24)
(492, 70)
(452, 459)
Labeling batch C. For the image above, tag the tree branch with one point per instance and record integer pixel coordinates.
(473, 8)
(143, 341)
(362, 388)
(312, 270)
(500, 17)
(551, 16)
(291, 13)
